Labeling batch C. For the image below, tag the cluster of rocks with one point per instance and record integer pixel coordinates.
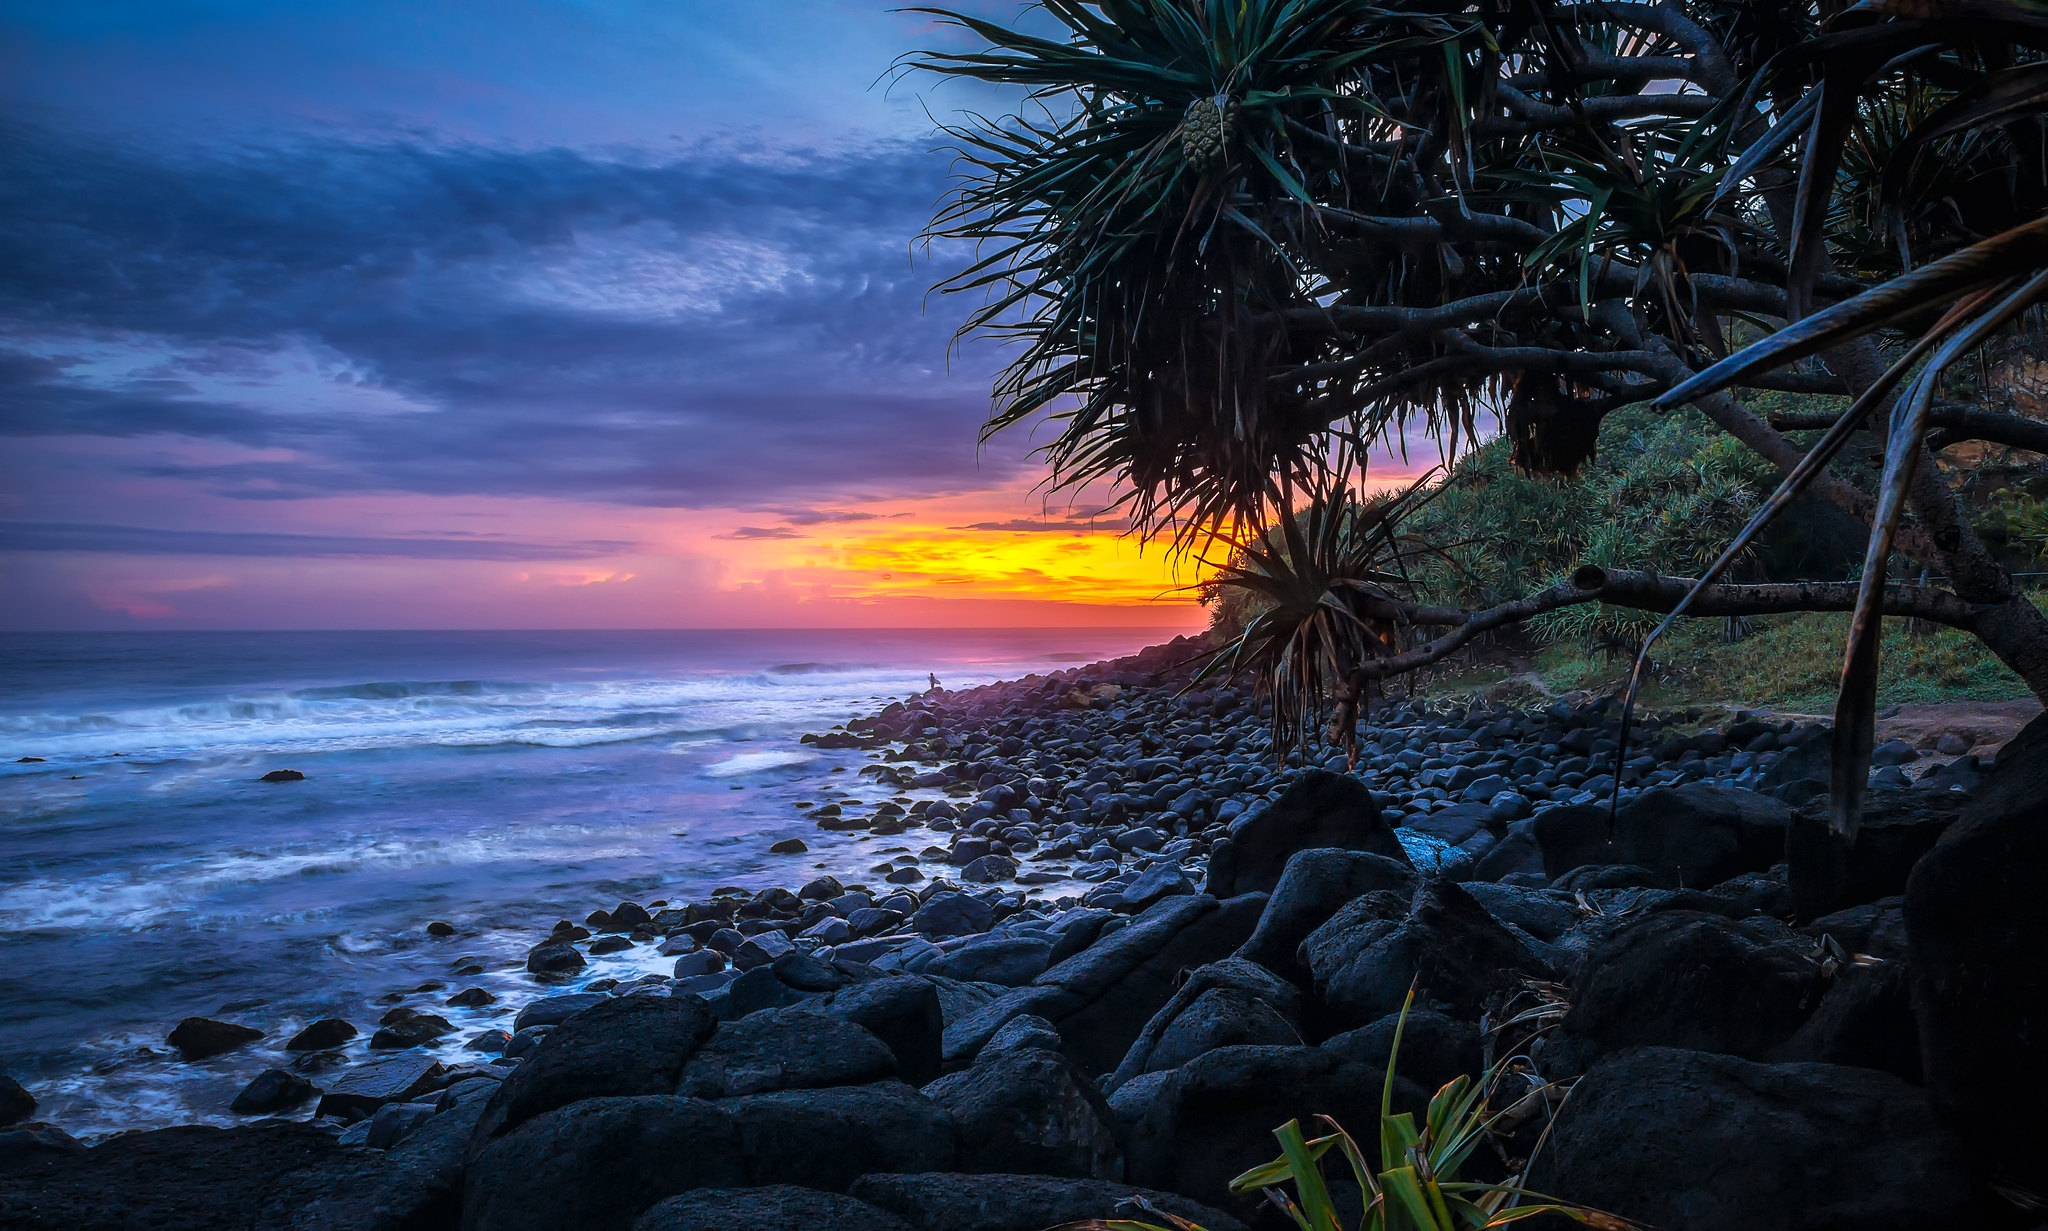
(1689, 1048)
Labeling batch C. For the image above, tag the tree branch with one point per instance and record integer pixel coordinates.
(1641, 591)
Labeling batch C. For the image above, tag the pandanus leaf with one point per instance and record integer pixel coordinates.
(1856, 703)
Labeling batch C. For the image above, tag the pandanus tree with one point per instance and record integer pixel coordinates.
(1241, 242)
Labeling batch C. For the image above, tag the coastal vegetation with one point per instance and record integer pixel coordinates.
(1239, 245)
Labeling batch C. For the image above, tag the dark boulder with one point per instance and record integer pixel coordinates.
(1875, 928)
(1011, 961)
(1448, 948)
(1692, 1141)
(321, 1035)
(253, 1177)
(1190, 1129)
(1865, 1019)
(826, 1139)
(1101, 998)
(418, 1183)
(554, 1010)
(361, 1089)
(33, 1145)
(1435, 1049)
(632, 1045)
(404, 1028)
(554, 958)
(1976, 926)
(1314, 885)
(1698, 981)
(1899, 825)
(1545, 914)
(1518, 853)
(778, 1207)
(943, 1202)
(903, 1011)
(1224, 1004)
(1030, 1111)
(1594, 876)
(599, 1163)
(1694, 835)
(273, 1090)
(16, 1103)
(952, 914)
(1318, 809)
(784, 1050)
(197, 1038)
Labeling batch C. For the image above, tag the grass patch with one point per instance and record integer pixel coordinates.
(1788, 663)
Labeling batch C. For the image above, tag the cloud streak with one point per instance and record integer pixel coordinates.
(149, 541)
(718, 329)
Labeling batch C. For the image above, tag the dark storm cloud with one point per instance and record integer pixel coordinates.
(147, 541)
(707, 328)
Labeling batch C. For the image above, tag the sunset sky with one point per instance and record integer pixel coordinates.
(405, 313)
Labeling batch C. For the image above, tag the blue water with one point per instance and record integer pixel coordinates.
(497, 780)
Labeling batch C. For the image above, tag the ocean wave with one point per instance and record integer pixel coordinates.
(755, 762)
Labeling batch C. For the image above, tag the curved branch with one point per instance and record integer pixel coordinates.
(1643, 591)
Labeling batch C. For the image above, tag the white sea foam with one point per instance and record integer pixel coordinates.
(755, 762)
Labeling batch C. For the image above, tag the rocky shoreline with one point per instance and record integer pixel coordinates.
(1108, 945)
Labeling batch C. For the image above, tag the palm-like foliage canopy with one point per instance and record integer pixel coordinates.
(1422, 204)
(1241, 240)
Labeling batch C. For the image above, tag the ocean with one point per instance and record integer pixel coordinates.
(497, 781)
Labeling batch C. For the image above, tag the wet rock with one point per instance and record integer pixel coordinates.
(1031, 1111)
(412, 1029)
(1101, 998)
(16, 1103)
(1435, 1048)
(283, 775)
(1545, 914)
(1610, 876)
(1865, 1019)
(362, 1089)
(701, 962)
(789, 846)
(829, 1138)
(394, 1122)
(609, 944)
(952, 914)
(440, 928)
(1977, 924)
(786, 1050)
(1694, 836)
(1314, 885)
(600, 1163)
(273, 1090)
(761, 949)
(903, 1012)
(987, 870)
(1190, 1129)
(1024, 1031)
(1319, 809)
(1224, 1004)
(554, 958)
(1010, 961)
(490, 1042)
(1161, 880)
(1696, 981)
(197, 1038)
(471, 998)
(1817, 1147)
(192, 1178)
(32, 1146)
(632, 1045)
(1447, 947)
(952, 1202)
(776, 1206)
(554, 1010)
